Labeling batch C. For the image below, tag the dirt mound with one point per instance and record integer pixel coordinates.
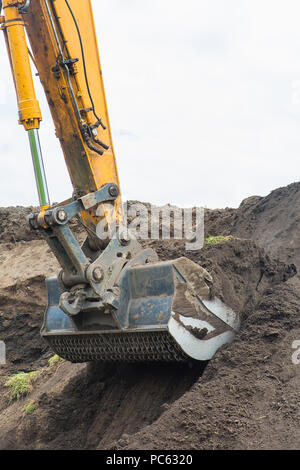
(106, 404)
(272, 221)
(13, 225)
(20, 322)
(241, 270)
(245, 398)
(100, 404)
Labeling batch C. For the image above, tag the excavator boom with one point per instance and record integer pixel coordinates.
(112, 300)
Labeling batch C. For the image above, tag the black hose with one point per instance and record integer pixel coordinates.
(102, 144)
(83, 60)
(93, 148)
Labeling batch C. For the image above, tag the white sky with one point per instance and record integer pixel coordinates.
(204, 103)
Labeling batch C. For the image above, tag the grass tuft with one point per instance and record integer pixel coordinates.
(55, 360)
(20, 385)
(211, 240)
(29, 408)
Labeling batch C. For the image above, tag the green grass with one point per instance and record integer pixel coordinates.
(29, 408)
(54, 360)
(210, 240)
(20, 384)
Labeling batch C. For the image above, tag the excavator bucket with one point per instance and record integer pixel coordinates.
(112, 301)
(166, 311)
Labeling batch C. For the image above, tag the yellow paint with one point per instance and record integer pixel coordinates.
(103, 168)
(29, 110)
(88, 170)
(41, 216)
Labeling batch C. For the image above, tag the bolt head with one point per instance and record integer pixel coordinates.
(61, 215)
(98, 274)
(124, 237)
(113, 191)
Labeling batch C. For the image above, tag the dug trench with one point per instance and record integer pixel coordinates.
(245, 398)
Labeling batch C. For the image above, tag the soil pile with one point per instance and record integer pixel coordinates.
(245, 398)
(272, 221)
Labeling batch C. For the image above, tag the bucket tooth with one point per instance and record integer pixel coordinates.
(167, 311)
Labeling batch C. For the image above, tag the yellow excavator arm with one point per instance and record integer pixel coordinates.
(65, 52)
(112, 300)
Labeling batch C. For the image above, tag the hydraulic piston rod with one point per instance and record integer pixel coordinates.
(39, 170)
(29, 109)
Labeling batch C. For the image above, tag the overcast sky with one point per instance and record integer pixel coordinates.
(204, 103)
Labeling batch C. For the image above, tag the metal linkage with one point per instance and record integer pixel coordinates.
(23, 9)
(62, 214)
(53, 223)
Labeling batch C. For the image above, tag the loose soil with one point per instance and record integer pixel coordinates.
(245, 398)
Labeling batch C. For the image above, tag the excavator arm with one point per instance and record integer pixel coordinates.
(112, 300)
(73, 84)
